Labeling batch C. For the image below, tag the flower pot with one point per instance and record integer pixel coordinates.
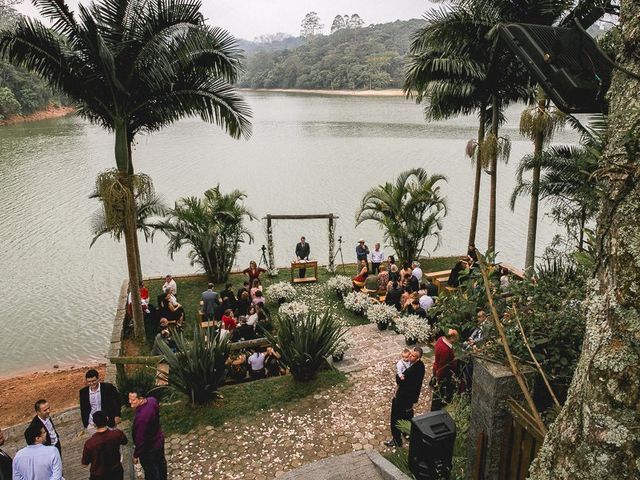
(339, 294)
(410, 341)
(382, 325)
(281, 301)
(338, 357)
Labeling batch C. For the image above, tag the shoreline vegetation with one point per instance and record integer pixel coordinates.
(50, 112)
(387, 92)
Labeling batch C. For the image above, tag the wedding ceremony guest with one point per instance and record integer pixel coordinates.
(170, 285)
(362, 252)
(258, 299)
(228, 293)
(37, 461)
(414, 284)
(417, 271)
(394, 296)
(272, 365)
(43, 419)
(243, 304)
(147, 436)
(377, 257)
(228, 321)
(477, 335)
(102, 451)
(244, 331)
(252, 316)
(405, 274)
(256, 364)
(362, 273)
(144, 298)
(99, 396)
(383, 278)
(210, 299)
(302, 253)
(406, 395)
(255, 286)
(371, 283)
(245, 288)
(171, 309)
(505, 280)
(454, 280)
(403, 363)
(444, 368)
(237, 366)
(253, 272)
(5, 462)
(394, 273)
(472, 254)
(163, 336)
(426, 302)
(432, 289)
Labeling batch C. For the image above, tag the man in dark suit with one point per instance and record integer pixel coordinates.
(209, 302)
(302, 252)
(43, 419)
(407, 394)
(5, 462)
(99, 397)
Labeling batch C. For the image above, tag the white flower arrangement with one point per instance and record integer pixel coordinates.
(381, 313)
(357, 302)
(414, 328)
(341, 283)
(294, 310)
(345, 343)
(280, 291)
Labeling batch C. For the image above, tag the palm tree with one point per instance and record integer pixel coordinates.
(133, 66)
(213, 227)
(410, 211)
(567, 178)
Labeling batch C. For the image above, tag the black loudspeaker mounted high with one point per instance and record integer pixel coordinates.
(431, 445)
(567, 62)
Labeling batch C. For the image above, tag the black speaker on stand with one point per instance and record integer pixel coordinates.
(431, 445)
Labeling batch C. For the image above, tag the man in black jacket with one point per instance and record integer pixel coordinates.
(5, 462)
(407, 394)
(302, 252)
(43, 419)
(99, 396)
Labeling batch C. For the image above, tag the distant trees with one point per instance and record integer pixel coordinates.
(311, 26)
(272, 38)
(345, 21)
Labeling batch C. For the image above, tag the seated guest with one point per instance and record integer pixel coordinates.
(405, 274)
(416, 309)
(454, 280)
(407, 300)
(253, 272)
(228, 322)
(394, 273)
(273, 366)
(426, 302)
(258, 299)
(163, 337)
(505, 281)
(228, 293)
(477, 335)
(252, 316)
(472, 254)
(243, 303)
(414, 284)
(371, 283)
(170, 284)
(171, 309)
(256, 364)
(237, 366)
(243, 332)
(363, 273)
(432, 289)
(383, 278)
(144, 298)
(394, 295)
(245, 288)
(255, 287)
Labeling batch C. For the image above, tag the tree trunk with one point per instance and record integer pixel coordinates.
(491, 242)
(136, 242)
(597, 433)
(538, 142)
(476, 186)
(123, 161)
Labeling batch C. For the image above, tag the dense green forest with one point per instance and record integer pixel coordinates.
(20, 92)
(349, 58)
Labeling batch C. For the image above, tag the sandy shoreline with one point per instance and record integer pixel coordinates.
(51, 112)
(392, 92)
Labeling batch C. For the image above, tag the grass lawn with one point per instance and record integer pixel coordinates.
(244, 400)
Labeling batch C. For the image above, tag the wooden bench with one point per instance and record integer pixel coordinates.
(439, 278)
(516, 272)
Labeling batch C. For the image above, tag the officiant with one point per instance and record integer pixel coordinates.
(302, 252)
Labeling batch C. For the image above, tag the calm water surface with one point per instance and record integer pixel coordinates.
(307, 154)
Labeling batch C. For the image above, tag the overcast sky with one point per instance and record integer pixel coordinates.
(251, 18)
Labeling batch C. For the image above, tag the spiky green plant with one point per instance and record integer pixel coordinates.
(305, 343)
(197, 368)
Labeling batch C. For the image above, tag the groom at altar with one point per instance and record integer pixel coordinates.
(302, 252)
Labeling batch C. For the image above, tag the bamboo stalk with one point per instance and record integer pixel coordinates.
(535, 361)
(507, 350)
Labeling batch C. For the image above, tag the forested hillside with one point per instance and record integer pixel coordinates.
(350, 58)
(20, 92)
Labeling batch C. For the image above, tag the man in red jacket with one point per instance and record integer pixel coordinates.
(444, 367)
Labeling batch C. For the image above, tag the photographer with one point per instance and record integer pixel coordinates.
(253, 271)
(362, 252)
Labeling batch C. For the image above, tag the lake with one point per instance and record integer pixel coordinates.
(308, 154)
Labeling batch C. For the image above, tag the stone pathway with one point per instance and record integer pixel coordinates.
(350, 466)
(345, 418)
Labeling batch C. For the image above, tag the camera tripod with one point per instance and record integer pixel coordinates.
(263, 257)
(339, 250)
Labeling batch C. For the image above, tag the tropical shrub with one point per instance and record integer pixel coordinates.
(357, 302)
(280, 292)
(197, 368)
(305, 343)
(414, 328)
(340, 283)
(143, 378)
(381, 313)
(409, 211)
(293, 310)
(212, 226)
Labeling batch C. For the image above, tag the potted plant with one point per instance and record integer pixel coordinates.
(382, 315)
(280, 293)
(294, 310)
(341, 284)
(357, 302)
(342, 346)
(414, 328)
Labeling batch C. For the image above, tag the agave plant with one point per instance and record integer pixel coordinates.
(305, 343)
(196, 368)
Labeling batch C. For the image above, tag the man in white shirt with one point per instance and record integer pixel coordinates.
(43, 419)
(170, 283)
(377, 257)
(417, 271)
(37, 461)
(426, 302)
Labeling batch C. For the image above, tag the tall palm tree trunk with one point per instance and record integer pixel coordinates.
(491, 242)
(123, 161)
(535, 195)
(476, 186)
(136, 242)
